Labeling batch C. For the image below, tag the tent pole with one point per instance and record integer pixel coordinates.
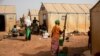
(76, 22)
(67, 24)
(64, 27)
(85, 23)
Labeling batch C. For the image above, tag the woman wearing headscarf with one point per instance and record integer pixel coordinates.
(56, 31)
(28, 28)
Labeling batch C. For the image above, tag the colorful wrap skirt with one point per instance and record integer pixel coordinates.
(54, 46)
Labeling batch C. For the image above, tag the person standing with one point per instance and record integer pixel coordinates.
(56, 31)
(28, 28)
(89, 40)
(35, 27)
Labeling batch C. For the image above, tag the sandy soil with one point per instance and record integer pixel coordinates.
(38, 46)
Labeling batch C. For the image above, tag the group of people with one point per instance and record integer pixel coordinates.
(31, 27)
(55, 36)
(56, 32)
(27, 28)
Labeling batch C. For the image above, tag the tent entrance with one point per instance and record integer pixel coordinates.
(2, 23)
(45, 21)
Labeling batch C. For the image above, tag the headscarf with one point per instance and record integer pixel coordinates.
(28, 21)
(57, 22)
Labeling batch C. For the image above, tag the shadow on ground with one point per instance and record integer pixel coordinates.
(16, 38)
(76, 51)
(41, 53)
(69, 52)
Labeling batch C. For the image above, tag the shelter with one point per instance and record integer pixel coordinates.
(32, 13)
(95, 28)
(7, 17)
(78, 16)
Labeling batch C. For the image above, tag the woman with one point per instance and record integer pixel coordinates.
(28, 28)
(56, 31)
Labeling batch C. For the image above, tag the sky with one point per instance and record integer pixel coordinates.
(23, 6)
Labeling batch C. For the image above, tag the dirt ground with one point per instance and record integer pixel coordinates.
(38, 46)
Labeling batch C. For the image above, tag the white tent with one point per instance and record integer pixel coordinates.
(33, 13)
(78, 15)
(8, 15)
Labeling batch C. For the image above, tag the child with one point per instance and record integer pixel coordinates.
(14, 31)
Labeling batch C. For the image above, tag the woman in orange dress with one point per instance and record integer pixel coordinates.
(56, 31)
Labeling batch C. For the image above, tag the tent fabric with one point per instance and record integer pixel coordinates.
(7, 9)
(9, 12)
(49, 7)
(77, 16)
(2, 9)
(10, 21)
(67, 8)
(85, 8)
(34, 13)
(74, 22)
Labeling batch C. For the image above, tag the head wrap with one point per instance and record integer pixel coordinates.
(28, 21)
(57, 22)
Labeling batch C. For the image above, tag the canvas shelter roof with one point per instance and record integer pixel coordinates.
(34, 12)
(67, 8)
(7, 9)
(96, 7)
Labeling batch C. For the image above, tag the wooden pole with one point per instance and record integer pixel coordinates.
(77, 21)
(85, 23)
(64, 27)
